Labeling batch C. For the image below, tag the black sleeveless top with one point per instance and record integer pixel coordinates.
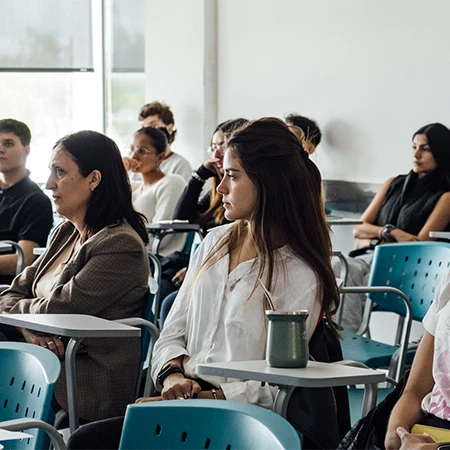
(410, 201)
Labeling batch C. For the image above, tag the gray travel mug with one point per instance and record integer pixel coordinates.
(287, 340)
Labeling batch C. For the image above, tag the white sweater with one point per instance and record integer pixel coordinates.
(157, 202)
(178, 165)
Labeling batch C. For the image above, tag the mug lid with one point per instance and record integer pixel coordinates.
(299, 312)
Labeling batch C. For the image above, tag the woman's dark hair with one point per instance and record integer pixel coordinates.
(289, 207)
(229, 126)
(216, 208)
(159, 137)
(110, 202)
(438, 137)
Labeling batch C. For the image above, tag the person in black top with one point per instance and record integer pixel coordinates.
(207, 209)
(406, 209)
(25, 211)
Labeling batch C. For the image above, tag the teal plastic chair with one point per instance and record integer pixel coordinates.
(403, 280)
(149, 335)
(205, 424)
(27, 377)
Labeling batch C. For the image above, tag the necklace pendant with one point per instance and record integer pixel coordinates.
(232, 287)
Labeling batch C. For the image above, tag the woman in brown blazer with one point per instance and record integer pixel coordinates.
(96, 264)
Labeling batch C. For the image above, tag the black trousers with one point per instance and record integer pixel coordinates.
(102, 435)
(9, 333)
(105, 434)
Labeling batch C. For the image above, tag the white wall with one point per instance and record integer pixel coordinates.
(370, 71)
(176, 73)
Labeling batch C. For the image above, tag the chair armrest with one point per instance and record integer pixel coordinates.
(139, 322)
(157, 277)
(20, 255)
(25, 424)
(378, 290)
(154, 333)
(408, 317)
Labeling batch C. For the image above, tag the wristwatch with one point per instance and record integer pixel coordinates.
(386, 233)
(168, 370)
(444, 446)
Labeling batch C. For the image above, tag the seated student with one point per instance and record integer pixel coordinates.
(96, 263)
(207, 209)
(418, 441)
(272, 193)
(156, 195)
(406, 209)
(25, 211)
(279, 236)
(424, 400)
(157, 114)
(426, 396)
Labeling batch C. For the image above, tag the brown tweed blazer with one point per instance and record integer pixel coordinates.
(107, 278)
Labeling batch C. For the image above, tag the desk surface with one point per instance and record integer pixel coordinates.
(333, 219)
(440, 234)
(316, 374)
(173, 226)
(70, 325)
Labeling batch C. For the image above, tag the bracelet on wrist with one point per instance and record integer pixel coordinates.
(168, 370)
(386, 233)
(197, 177)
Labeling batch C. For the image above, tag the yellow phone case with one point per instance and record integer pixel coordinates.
(438, 434)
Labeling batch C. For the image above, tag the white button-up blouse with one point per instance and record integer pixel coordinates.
(212, 320)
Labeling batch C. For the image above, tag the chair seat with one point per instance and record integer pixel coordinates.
(367, 351)
(372, 353)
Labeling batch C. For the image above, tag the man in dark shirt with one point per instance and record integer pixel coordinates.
(25, 211)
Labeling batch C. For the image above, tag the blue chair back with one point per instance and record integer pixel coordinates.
(147, 314)
(27, 377)
(415, 268)
(189, 241)
(211, 424)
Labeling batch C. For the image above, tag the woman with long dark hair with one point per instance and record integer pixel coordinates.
(406, 208)
(271, 192)
(96, 263)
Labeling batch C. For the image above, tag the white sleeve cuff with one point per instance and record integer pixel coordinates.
(250, 392)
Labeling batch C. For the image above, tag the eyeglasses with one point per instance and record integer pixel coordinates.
(216, 148)
(141, 151)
